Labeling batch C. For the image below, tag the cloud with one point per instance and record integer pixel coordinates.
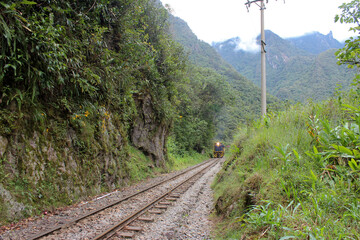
(237, 44)
(248, 45)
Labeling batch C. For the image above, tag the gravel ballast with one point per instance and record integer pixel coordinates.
(187, 218)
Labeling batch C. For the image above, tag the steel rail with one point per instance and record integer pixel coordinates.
(132, 217)
(75, 220)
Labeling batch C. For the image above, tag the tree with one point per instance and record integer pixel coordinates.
(350, 53)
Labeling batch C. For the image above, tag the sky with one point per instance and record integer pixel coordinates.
(219, 20)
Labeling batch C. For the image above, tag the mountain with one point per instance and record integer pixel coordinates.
(295, 71)
(245, 94)
(316, 42)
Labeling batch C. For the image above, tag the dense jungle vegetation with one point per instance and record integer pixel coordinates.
(295, 174)
(66, 59)
(80, 83)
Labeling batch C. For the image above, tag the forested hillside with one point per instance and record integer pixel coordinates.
(297, 69)
(244, 95)
(91, 93)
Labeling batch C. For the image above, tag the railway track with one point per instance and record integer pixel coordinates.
(160, 202)
(135, 207)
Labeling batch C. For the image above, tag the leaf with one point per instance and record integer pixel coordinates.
(349, 107)
(313, 176)
(342, 149)
(20, 17)
(356, 153)
(297, 206)
(296, 154)
(28, 2)
(353, 165)
(33, 93)
(5, 5)
(7, 31)
(10, 65)
(315, 150)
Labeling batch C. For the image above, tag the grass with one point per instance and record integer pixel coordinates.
(287, 177)
(189, 159)
(139, 166)
(180, 158)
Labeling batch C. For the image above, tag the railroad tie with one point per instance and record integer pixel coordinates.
(165, 203)
(161, 206)
(175, 195)
(145, 219)
(133, 228)
(126, 234)
(171, 199)
(154, 211)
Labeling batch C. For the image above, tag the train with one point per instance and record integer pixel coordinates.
(219, 150)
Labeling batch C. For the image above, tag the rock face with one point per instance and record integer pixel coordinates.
(42, 168)
(148, 134)
(3, 145)
(13, 209)
(65, 162)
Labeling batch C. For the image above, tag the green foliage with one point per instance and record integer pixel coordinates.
(7, 122)
(182, 159)
(319, 179)
(139, 166)
(201, 99)
(337, 148)
(307, 160)
(350, 53)
(69, 54)
(66, 56)
(73, 74)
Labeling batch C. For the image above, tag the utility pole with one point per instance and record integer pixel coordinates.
(263, 53)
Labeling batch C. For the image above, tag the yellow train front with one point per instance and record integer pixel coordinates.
(219, 150)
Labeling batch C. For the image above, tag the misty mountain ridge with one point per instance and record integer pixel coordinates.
(297, 68)
(313, 42)
(316, 42)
